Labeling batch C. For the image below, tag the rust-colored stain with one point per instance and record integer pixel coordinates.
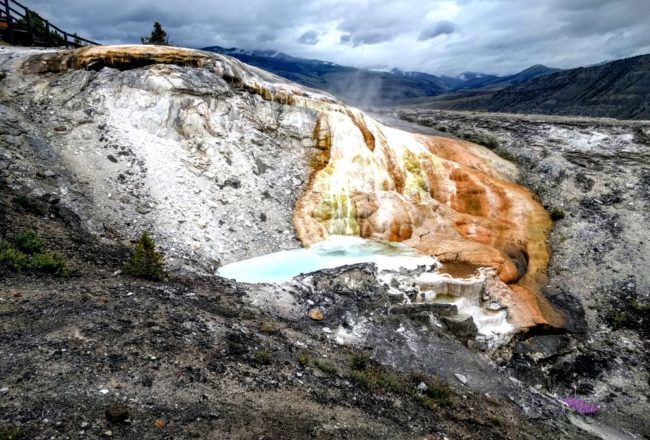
(120, 57)
(368, 137)
(449, 199)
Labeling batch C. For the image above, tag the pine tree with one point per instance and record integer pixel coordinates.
(158, 36)
(146, 262)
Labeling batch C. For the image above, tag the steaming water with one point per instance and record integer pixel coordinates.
(334, 252)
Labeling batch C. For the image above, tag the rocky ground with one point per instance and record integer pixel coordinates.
(194, 357)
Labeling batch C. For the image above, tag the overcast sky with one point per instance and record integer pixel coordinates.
(435, 36)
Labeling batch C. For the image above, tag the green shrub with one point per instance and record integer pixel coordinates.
(21, 200)
(439, 393)
(362, 379)
(378, 380)
(491, 142)
(49, 262)
(436, 392)
(505, 154)
(28, 242)
(631, 315)
(146, 263)
(20, 260)
(359, 361)
(303, 361)
(557, 214)
(33, 205)
(641, 136)
(12, 433)
(496, 421)
(325, 367)
(12, 259)
(487, 141)
(263, 357)
(268, 327)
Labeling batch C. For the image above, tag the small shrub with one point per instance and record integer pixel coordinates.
(487, 141)
(491, 142)
(325, 367)
(360, 361)
(439, 393)
(619, 320)
(263, 357)
(28, 242)
(49, 262)
(632, 315)
(226, 310)
(557, 214)
(26, 253)
(378, 380)
(362, 379)
(268, 328)
(390, 381)
(3, 75)
(505, 154)
(21, 200)
(16, 260)
(303, 361)
(426, 402)
(12, 433)
(436, 394)
(496, 421)
(641, 136)
(12, 259)
(146, 263)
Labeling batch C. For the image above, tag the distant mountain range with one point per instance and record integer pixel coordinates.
(618, 89)
(373, 87)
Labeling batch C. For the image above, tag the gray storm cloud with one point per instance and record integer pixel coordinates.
(369, 38)
(309, 37)
(495, 36)
(435, 30)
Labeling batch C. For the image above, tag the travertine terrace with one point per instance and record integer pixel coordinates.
(450, 199)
